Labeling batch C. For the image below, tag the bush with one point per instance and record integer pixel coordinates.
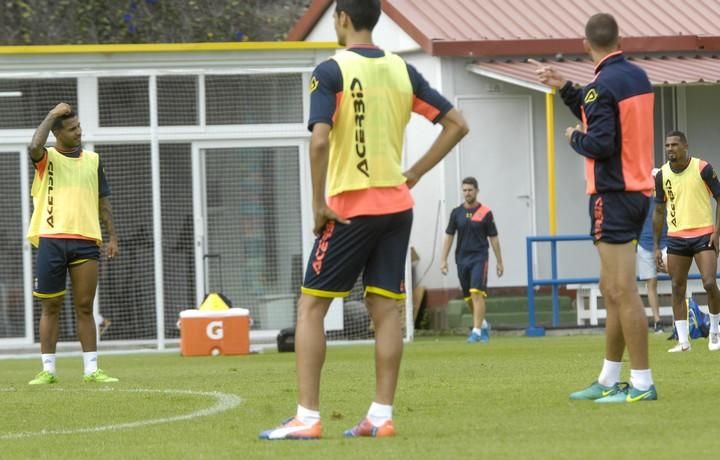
(57, 22)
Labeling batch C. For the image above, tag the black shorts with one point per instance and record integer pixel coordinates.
(617, 217)
(374, 245)
(473, 276)
(688, 247)
(54, 257)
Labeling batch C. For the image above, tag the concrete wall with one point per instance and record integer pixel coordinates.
(429, 218)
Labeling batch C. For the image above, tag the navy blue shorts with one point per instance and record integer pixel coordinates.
(54, 257)
(374, 245)
(617, 217)
(473, 276)
(688, 247)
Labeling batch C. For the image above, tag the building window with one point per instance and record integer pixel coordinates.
(25, 103)
(177, 100)
(123, 101)
(254, 99)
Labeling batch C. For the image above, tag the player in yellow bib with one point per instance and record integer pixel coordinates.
(360, 102)
(684, 187)
(70, 198)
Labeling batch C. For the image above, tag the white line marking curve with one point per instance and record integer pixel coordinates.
(223, 402)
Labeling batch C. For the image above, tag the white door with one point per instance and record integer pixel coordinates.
(498, 151)
(16, 325)
(248, 226)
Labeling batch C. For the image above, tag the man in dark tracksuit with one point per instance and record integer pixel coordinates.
(616, 139)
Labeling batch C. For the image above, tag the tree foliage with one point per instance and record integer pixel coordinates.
(54, 22)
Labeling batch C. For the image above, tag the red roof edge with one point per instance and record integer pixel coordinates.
(308, 21)
(709, 43)
(405, 24)
(570, 46)
(317, 8)
(687, 43)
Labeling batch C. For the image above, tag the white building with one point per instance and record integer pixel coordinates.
(205, 150)
(475, 54)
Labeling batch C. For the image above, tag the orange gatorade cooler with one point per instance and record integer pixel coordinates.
(205, 333)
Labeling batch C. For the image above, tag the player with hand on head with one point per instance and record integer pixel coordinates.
(70, 197)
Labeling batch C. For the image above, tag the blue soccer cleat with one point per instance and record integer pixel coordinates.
(474, 337)
(595, 391)
(630, 394)
(485, 334)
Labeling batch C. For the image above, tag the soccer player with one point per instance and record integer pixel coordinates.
(684, 187)
(646, 264)
(474, 224)
(361, 99)
(70, 197)
(616, 139)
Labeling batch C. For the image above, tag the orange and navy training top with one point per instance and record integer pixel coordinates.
(473, 225)
(686, 195)
(616, 109)
(367, 96)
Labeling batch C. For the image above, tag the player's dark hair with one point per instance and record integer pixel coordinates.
(470, 181)
(680, 134)
(364, 14)
(58, 123)
(601, 31)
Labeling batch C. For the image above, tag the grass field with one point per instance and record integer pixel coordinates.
(507, 399)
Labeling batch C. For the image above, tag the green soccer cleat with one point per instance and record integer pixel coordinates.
(595, 391)
(99, 376)
(44, 378)
(629, 394)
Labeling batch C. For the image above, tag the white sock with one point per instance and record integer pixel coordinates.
(307, 416)
(48, 362)
(378, 414)
(682, 331)
(714, 320)
(476, 331)
(90, 361)
(484, 324)
(641, 379)
(610, 373)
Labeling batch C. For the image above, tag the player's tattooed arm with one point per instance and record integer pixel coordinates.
(37, 145)
(111, 249)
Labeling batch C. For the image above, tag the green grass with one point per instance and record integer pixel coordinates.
(507, 399)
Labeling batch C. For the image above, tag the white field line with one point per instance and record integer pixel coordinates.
(223, 402)
(254, 349)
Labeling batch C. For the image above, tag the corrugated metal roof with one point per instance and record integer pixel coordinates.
(542, 27)
(465, 20)
(671, 70)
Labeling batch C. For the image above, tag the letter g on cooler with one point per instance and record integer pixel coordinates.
(214, 330)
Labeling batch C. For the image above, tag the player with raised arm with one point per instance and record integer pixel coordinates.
(616, 139)
(70, 197)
